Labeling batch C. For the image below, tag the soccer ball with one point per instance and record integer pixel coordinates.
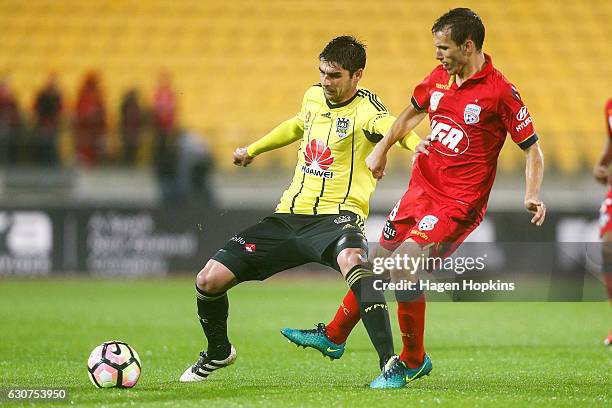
(113, 364)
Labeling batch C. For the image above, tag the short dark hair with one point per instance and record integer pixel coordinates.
(345, 51)
(464, 24)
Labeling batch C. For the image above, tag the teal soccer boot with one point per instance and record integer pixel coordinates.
(416, 373)
(393, 375)
(315, 338)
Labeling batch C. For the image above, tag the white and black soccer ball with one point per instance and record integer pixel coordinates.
(114, 364)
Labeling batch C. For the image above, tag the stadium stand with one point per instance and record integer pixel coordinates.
(241, 66)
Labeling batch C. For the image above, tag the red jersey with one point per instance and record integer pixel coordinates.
(609, 117)
(468, 129)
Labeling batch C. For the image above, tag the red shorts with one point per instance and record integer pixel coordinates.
(430, 222)
(605, 215)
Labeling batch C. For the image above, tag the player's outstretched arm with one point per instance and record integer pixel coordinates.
(409, 142)
(600, 172)
(534, 173)
(286, 133)
(405, 122)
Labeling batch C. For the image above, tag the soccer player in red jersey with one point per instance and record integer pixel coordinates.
(601, 173)
(471, 108)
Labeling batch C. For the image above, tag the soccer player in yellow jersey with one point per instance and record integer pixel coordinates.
(319, 217)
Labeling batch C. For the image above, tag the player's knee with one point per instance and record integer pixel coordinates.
(349, 257)
(211, 280)
(203, 280)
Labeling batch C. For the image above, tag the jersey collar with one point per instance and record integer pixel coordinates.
(486, 70)
(341, 104)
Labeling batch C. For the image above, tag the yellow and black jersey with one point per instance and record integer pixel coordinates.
(331, 174)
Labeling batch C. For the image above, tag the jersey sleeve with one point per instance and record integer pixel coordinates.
(410, 141)
(377, 126)
(609, 118)
(516, 117)
(286, 133)
(420, 95)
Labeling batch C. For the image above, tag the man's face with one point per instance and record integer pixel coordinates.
(452, 56)
(338, 85)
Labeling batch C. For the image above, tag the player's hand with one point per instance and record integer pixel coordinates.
(536, 207)
(376, 162)
(422, 148)
(601, 174)
(241, 157)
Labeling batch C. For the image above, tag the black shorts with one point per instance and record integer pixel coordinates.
(283, 241)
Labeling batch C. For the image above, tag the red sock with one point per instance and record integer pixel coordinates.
(345, 319)
(411, 317)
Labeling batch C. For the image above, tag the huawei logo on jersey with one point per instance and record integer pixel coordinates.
(451, 138)
(318, 158)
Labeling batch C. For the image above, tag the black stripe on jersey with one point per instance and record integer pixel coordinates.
(416, 105)
(304, 174)
(528, 142)
(314, 209)
(348, 190)
(373, 100)
(372, 137)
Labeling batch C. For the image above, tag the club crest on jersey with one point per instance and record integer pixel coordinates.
(427, 223)
(342, 127)
(434, 100)
(471, 114)
(318, 158)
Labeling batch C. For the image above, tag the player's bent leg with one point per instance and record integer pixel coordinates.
(330, 339)
(212, 283)
(340, 327)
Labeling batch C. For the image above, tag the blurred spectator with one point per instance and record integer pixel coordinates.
(184, 170)
(164, 106)
(195, 168)
(131, 126)
(166, 167)
(47, 121)
(90, 121)
(164, 121)
(11, 124)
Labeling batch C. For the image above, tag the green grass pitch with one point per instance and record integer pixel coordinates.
(484, 354)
